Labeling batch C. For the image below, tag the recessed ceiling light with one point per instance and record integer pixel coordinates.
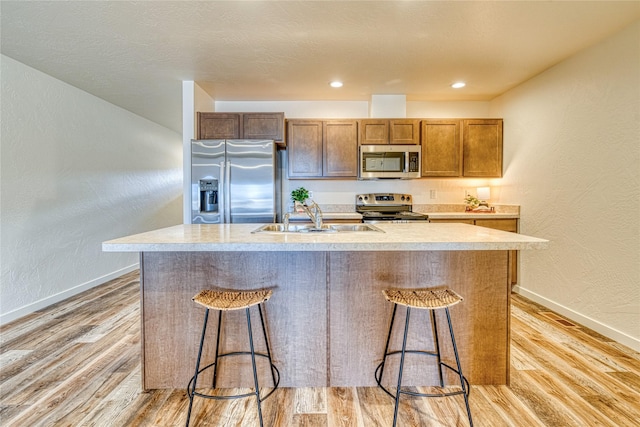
(458, 85)
(335, 84)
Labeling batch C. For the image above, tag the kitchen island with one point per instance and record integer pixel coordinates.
(327, 320)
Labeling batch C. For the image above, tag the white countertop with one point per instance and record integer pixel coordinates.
(397, 237)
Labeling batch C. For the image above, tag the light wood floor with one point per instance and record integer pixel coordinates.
(77, 364)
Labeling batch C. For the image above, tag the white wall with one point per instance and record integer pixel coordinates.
(572, 156)
(449, 109)
(194, 99)
(76, 171)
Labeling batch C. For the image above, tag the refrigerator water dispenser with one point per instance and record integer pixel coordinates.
(208, 195)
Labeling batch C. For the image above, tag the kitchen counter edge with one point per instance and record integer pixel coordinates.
(396, 237)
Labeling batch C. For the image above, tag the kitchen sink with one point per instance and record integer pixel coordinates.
(309, 228)
(355, 227)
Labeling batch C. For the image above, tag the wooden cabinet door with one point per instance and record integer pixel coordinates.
(340, 145)
(441, 148)
(219, 126)
(304, 148)
(404, 131)
(263, 126)
(482, 148)
(373, 131)
(499, 224)
(457, 221)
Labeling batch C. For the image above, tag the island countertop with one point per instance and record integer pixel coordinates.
(396, 237)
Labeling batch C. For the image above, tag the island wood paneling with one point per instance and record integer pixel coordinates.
(359, 315)
(315, 344)
(295, 315)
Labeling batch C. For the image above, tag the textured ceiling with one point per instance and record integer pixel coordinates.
(135, 54)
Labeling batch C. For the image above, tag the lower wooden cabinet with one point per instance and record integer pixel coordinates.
(322, 148)
(510, 225)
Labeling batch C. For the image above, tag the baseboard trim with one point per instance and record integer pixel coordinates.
(590, 323)
(52, 299)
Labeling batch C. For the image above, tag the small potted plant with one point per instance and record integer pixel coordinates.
(300, 194)
(471, 202)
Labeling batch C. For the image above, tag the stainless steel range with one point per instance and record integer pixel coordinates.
(387, 207)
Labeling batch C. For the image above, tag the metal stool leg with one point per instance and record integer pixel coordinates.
(195, 376)
(386, 346)
(404, 347)
(465, 392)
(436, 343)
(215, 366)
(253, 363)
(266, 341)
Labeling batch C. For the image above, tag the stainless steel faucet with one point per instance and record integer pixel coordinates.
(286, 221)
(316, 216)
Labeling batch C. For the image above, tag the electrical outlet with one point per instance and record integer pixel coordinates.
(433, 194)
(311, 194)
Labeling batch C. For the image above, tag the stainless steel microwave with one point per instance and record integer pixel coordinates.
(389, 161)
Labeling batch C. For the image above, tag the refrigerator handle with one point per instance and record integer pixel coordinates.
(222, 196)
(227, 183)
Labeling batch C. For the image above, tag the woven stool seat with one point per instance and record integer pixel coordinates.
(423, 298)
(231, 300)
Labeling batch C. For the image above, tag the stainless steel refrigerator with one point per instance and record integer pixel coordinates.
(233, 181)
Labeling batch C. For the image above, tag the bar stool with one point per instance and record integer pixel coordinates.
(226, 301)
(429, 299)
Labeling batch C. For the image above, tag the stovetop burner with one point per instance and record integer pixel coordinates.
(387, 207)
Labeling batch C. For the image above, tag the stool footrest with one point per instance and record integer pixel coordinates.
(234, 396)
(412, 393)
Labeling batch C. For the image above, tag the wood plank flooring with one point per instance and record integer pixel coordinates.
(77, 363)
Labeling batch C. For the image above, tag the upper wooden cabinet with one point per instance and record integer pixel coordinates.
(482, 148)
(219, 126)
(304, 147)
(322, 148)
(241, 126)
(388, 131)
(340, 145)
(441, 148)
(467, 148)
